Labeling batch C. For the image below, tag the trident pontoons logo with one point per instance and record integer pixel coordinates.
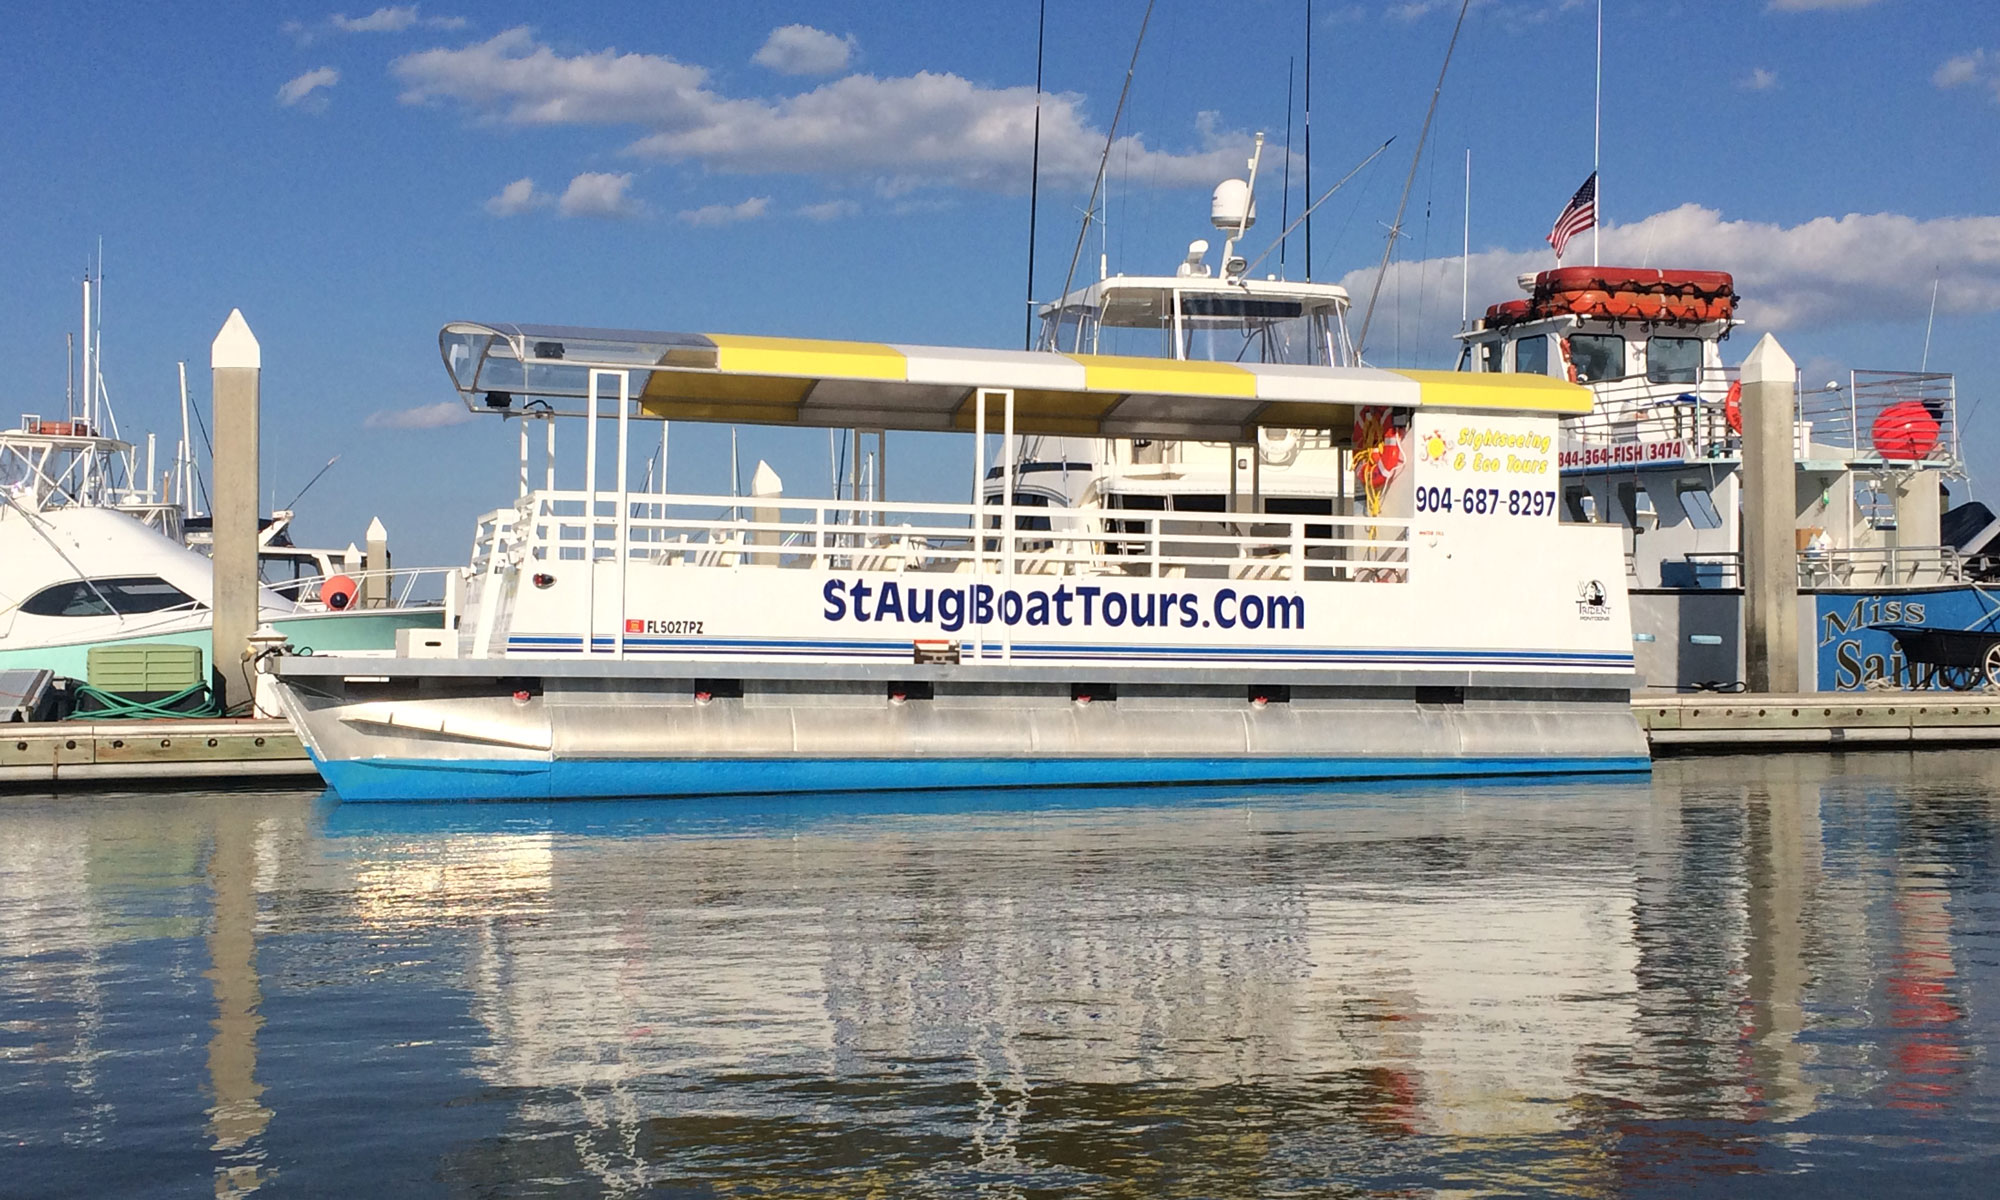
(1593, 602)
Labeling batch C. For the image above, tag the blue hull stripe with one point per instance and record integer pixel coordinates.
(900, 650)
(385, 779)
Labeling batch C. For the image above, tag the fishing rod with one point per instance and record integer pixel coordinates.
(1104, 161)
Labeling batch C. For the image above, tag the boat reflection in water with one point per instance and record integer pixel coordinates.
(1738, 967)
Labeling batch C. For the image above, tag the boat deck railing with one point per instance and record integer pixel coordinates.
(395, 587)
(1686, 414)
(1894, 418)
(1839, 567)
(701, 531)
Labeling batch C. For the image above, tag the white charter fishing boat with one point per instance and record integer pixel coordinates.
(613, 641)
(1659, 460)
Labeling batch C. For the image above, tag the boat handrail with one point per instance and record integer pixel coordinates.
(1845, 566)
(940, 537)
(398, 591)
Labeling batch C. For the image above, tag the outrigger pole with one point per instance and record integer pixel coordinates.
(1034, 178)
(1396, 229)
(1104, 161)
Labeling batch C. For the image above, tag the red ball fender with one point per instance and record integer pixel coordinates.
(338, 592)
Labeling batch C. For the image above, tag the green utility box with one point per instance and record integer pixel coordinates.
(141, 670)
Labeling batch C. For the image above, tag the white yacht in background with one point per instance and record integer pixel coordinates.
(91, 561)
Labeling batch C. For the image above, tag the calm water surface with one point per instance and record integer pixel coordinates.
(1740, 977)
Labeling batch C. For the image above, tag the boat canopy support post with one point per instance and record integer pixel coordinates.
(598, 378)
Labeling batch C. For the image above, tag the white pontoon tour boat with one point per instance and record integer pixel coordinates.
(616, 642)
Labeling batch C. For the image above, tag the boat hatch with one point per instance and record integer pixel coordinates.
(525, 369)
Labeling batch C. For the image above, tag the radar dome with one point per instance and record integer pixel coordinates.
(1233, 206)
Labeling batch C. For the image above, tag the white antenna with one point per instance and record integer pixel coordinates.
(184, 458)
(1465, 253)
(1597, 137)
(1936, 278)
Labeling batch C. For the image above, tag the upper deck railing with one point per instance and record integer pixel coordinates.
(703, 531)
(1891, 418)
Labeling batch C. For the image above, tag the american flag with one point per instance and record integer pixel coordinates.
(1579, 215)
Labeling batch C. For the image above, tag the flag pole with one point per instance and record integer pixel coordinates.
(1597, 137)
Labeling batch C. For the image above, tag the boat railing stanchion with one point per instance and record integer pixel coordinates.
(624, 503)
(1010, 449)
(979, 396)
(590, 516)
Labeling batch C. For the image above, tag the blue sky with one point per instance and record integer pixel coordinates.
(354, 179)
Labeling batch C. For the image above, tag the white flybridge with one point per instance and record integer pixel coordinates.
(614, 641)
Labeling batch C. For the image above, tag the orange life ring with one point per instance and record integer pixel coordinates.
(1732, 406)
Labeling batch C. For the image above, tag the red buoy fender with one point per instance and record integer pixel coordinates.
(338, 592)
(1904, 432)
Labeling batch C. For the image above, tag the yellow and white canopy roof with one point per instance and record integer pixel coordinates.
(824, 384)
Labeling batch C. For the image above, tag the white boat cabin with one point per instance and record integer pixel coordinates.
(1660, 454)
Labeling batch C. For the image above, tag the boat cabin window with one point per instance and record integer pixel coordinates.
(1021, 520)
(1251, 329)
(1581, 505)
(1636, 507)
(1598, 357)
(1491, 351)
(1673, 360)
(1073, 330)
(1531, 355)
(126, 596)
(1700, 506)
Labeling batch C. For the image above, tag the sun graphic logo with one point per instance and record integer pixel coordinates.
(1436, 447)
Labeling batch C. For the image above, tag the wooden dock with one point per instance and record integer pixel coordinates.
(1711, 723)
(148, 751)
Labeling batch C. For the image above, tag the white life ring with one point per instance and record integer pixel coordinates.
(1277, 447)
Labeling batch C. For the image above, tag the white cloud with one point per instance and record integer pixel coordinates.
(803, 50)
(1960, 70)
(391, 19)
(1826, 270)
(382, 20)
(300, 90)
(516, 198)
(1816, 5)
(902, 132)
(599, 194)
(1760, 80)
(830, 210)
(727, 214)
(1979, 68)
(424, 416)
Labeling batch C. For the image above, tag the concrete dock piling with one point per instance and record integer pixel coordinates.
(1770, 518)
(375, 567)
(237, 364)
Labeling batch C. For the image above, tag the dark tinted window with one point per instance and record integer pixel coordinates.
(1531, 355)
(1597, 356)
(103, 597)
(1673, 360)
